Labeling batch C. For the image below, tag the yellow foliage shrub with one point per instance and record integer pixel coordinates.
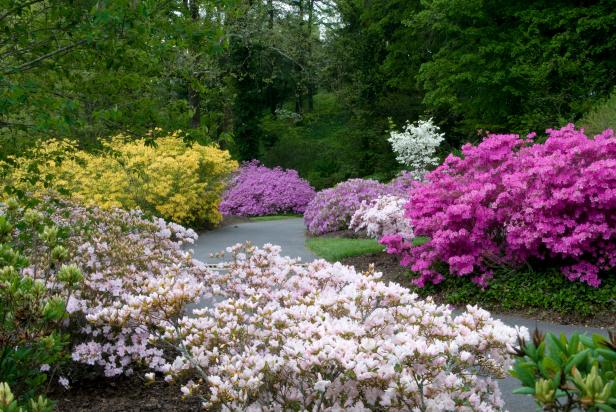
(172, 180)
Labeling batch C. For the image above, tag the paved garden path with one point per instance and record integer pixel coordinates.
(289, 234)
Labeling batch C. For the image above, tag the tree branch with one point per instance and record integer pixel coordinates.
(31, 63)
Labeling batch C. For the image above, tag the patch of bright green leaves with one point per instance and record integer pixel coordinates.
(568, 374)
(32, 310)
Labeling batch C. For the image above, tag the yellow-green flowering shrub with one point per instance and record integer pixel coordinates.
(170, 179)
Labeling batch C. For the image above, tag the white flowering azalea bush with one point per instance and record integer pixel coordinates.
(415, 146)
(325, 337)
(136, 276)
(382, 216)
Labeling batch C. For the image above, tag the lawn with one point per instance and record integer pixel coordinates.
(336, 248)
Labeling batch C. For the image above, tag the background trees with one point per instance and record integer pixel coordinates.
(309, 84)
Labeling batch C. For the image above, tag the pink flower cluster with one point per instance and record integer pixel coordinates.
(332, 209)
(509, 201)
(382, 216)
(327, 338)
(257, 190)
(136, 276)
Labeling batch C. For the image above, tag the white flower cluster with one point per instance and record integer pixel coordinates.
(382, 216)
(326, 338)
(416, 145)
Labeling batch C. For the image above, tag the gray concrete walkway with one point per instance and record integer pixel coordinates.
(289, 234)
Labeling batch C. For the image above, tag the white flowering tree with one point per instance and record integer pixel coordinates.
(415, 146)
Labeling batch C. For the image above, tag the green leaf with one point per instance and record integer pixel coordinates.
(577, 360)
(524, 391)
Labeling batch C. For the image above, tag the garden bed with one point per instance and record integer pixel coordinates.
(123, 394)
(546, 296)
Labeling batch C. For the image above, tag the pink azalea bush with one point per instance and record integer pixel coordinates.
(332, 209)
(382, 216)
(257, 190)
(508, 201)
(328, 338)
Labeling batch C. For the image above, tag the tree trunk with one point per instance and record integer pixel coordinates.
(194, 99)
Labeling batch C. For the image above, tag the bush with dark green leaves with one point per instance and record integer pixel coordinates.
(539, 289)
(33, 343)
(8, 403)
(568, 374)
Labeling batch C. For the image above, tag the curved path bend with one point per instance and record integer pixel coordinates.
(290, 234)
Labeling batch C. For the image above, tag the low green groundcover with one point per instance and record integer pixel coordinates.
(520, 290)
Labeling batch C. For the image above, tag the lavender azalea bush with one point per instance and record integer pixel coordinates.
(507, 201)
(331, 209)
(257, 190)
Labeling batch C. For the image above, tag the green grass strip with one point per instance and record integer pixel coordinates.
(336, 248)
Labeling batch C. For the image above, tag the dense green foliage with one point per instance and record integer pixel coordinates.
(480, 64)
(563, 374)
(327, 145)
(306, 84)
(91, 69)
(539, 289)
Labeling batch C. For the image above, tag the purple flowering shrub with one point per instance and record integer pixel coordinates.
(508, 201)
(257, 190)
(332, 209)
(402, 184)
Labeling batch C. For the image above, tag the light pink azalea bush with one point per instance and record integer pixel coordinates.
(508, 201)
(324, 337)
(257, 190)
(136, 276)
(382, 216)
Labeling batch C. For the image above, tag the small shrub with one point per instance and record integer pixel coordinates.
(33, 339)
(568, 374)
(382, 216)
(331, 209)
(257, 190)
(178, 182)
(508, 201)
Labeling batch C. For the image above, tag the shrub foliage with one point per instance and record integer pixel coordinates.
(170, 179)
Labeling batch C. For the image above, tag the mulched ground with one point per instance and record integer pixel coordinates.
(128, 394)
(392, 271)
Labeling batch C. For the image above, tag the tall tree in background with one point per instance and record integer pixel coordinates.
(90, 69)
